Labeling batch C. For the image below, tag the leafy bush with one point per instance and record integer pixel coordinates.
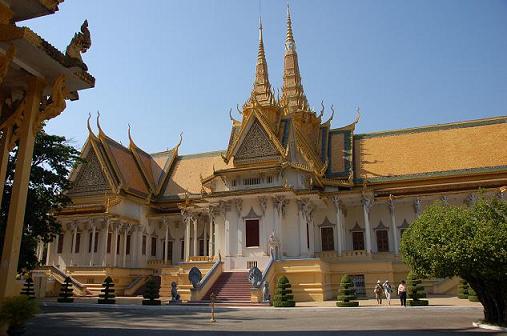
(347, 293)
(15, 311)
(283, 296)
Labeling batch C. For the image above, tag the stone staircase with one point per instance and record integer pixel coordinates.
(231, 287)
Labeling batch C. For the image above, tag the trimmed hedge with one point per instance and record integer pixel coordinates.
(347, 293)
(151, 293)
(107, 295)
(66, 291)
(283, 296)
(415, 291)
(463, 289)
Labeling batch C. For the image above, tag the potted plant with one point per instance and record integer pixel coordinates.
(15, 311)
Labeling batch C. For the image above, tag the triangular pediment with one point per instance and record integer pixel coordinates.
(90, 178)
(256, 146)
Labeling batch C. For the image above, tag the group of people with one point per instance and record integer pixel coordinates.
(386, 290)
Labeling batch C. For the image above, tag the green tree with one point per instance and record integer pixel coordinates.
(283, 296)
(53, 158)
(347, 293)
(469, 242)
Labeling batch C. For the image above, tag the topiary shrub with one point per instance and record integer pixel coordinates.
(347, 293)
(66, 290)
(28, 288)
(415, 291)
(283, 296)
(151, 293)
(472, 295)
(107, 295)
(463, 289)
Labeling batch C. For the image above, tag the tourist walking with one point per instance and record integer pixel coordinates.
(378, 292)
(402, 293)
(387, 291)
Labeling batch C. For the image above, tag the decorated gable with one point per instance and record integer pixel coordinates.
(339, 153)
(90, 178)
(256, 146)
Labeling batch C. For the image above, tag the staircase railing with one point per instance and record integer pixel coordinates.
(265, 273)
(202, 286)
(82, 288)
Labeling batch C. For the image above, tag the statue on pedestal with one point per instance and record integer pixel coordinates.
(265, 293)
(175, 297)
(274, 246)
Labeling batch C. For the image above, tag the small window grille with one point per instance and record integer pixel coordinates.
(252, 181)
(233, 182)
(269, 179)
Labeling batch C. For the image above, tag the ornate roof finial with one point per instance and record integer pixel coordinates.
(98, 123)
(293, 96)
(132, 143)
(88, 123)
(179, 143)
(261, 90)
(290, 44)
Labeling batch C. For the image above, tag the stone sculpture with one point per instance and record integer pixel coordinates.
(175, 297)
(265, 292)
(254, 276)
(194, 276)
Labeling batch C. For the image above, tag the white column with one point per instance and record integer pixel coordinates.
(106, 233)
(139, 253)
(125, 233)
(187, 218)
(303, 242)
(166, 241)
(367, 205)
(195, 246)
(339, 225)
(115, 246)
(227, 229)
(238, 205)
(48, 254)
(204, 244)
(279, 203)
(211, 215)
(93, 244)
(74, 237)
(396, 242)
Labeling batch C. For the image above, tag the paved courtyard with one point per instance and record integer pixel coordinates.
(126, 320)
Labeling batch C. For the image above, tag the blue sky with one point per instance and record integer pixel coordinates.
(170, 66)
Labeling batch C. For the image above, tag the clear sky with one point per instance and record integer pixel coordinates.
(170, 66)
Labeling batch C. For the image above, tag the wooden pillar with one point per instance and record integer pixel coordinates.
(5, 147)
(17, 206)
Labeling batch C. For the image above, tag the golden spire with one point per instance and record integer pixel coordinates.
(293, 97)
(261, 91)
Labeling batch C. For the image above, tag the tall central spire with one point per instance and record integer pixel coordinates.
(293, 97)
(261, 91)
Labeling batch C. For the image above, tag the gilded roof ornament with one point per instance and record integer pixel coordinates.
(80, 43)
(88, 124)
(101, 132)
(322, 110)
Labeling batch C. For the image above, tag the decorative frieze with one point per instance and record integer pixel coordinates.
(280, 203)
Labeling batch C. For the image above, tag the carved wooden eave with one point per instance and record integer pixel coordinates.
(29, 9)
(43, 60)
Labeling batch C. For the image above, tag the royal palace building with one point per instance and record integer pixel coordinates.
(289, 195)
